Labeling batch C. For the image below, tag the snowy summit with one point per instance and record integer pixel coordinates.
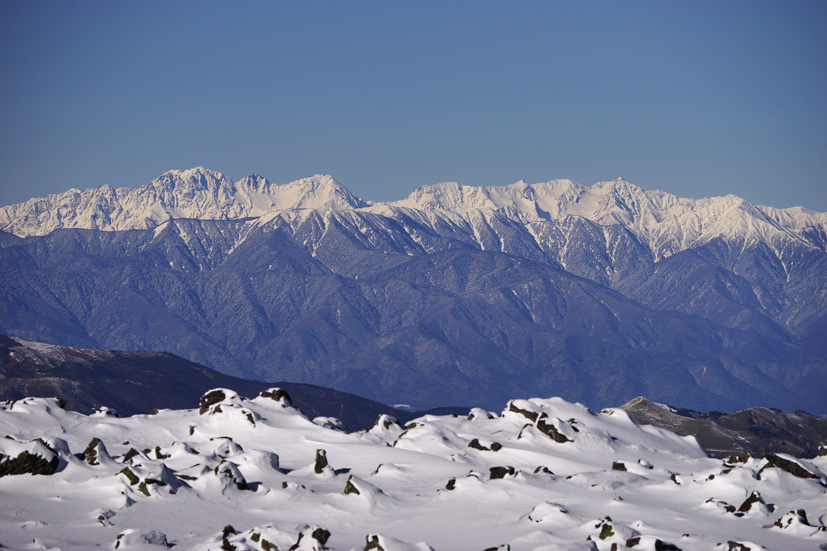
(666, 223)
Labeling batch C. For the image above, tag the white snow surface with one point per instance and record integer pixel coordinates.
(196, 193)
(665, 223)
(251, 464)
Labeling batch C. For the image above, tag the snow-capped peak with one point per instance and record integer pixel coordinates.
(317, 192)
(194, 193)
(663, 222)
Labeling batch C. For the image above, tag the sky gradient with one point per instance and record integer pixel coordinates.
(694, 98)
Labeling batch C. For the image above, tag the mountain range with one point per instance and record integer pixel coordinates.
(454, 295)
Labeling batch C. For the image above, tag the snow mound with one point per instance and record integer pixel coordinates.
(256, 474)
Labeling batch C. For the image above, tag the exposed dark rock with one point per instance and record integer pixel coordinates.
(606, 531)
(387, 421)
(26, 462)
(277, 394)
(350, 488)
(753, 499)
(785, 465)
(320, 535)
(618, 466)
(659, 545)
(551, 432)
(501, 472)
(742, 458)
(475, 444)
(530, 415)
(225, 543)
(127, 472)
(127, 458)
(209, 399)
(90, 453)
(321, 462)
(230, 471)
(800, 515)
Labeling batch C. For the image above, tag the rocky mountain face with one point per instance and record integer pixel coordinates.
(752, 430)
(454, 295)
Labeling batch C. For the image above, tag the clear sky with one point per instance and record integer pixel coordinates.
(694, 98)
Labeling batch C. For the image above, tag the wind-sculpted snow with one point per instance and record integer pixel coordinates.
(256, 474)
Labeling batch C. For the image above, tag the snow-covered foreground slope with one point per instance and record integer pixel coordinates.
(257, 474)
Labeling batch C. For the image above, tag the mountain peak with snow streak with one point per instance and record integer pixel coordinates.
(663, 222)
(197, 193)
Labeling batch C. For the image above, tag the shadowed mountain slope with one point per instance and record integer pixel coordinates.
(750, 430)
(453, 325)
(139, 382)
(453, 295)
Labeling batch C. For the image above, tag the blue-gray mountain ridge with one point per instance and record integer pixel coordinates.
(454, 295)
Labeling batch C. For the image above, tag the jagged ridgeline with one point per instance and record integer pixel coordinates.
(257, 474)
(454, 295)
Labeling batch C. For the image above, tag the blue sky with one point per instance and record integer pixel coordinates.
(694, 98)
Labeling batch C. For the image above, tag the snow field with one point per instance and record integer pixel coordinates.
(256, 473)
